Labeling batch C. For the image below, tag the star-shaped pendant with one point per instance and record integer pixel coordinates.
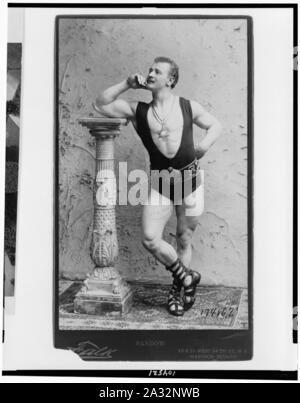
(164, 132)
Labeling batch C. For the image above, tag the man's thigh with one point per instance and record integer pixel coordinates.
(189, 212)
(156, 213)
(193, 204)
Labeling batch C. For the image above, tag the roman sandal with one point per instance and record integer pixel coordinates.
(181, 274)
(175, 304)
(189, 292)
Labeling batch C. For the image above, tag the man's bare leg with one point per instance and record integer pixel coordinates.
(156, 214)
(155, 217)
(188, 215)
(184, 234)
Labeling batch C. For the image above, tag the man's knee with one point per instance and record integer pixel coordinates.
(184, 238)
(151, 243)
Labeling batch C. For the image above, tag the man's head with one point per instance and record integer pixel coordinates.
(164, 72)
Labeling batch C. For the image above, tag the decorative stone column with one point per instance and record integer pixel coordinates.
(105, 291)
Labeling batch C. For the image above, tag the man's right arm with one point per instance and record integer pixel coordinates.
(108, 103)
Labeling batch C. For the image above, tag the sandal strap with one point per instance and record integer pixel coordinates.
(171, 267)
(175, 302)
(189, 294)
(179, 271)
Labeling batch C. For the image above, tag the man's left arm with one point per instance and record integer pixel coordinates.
(205, 120)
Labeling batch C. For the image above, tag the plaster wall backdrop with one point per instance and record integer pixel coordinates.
(212, 57)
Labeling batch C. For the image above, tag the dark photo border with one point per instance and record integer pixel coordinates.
(137, 345)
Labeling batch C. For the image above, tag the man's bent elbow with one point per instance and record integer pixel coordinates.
(100, 108)
(101, 100)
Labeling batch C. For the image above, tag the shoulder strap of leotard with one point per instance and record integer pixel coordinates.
(141, 119)
(187, 110)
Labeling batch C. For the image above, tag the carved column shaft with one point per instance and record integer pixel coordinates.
(104, 243)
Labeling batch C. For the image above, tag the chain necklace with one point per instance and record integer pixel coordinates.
(164, 132)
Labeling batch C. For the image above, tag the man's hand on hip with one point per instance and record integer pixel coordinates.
(200, 152)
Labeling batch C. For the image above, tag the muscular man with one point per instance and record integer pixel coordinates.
(165, 128)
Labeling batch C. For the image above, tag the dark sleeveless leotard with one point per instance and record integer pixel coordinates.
(184, 158)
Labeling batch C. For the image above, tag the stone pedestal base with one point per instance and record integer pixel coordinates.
(104, 297)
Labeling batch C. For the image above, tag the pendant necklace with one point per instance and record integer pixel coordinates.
(164, 130)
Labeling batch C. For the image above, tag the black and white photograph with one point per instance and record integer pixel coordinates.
(149, 181)
(153, 166)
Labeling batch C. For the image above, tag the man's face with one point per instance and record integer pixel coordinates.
(158, 76)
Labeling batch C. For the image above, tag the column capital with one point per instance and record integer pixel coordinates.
(103, 127)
